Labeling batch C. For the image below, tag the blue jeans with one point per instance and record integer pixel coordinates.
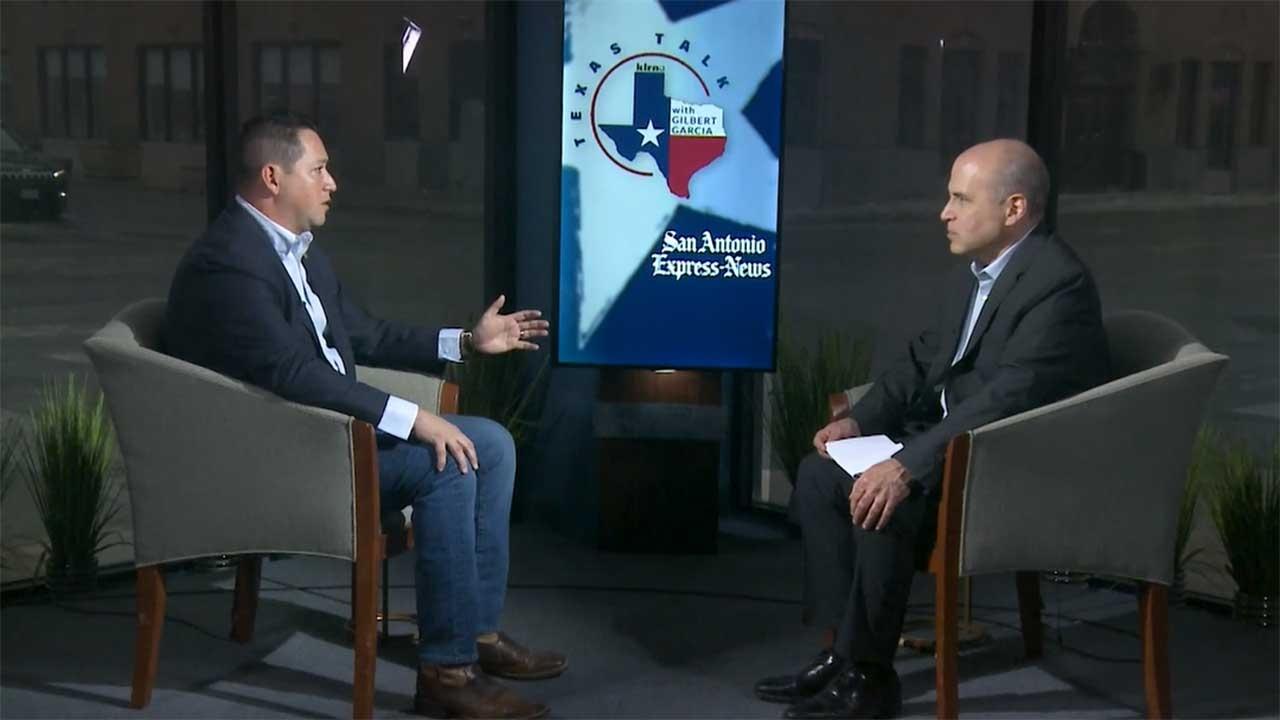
(460, 530)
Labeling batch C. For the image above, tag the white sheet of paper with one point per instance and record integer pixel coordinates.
(855, 455)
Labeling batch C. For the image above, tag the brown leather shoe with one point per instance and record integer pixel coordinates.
(465, 692)
(509, 659)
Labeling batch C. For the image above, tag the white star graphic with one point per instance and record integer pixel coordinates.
(650, 134)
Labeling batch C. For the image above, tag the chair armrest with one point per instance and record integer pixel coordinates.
(840, 403)
(217, 466)
(1091, 483)
(429, 392)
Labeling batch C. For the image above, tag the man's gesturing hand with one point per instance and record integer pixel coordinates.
(835, 430)
(446, 438)
(877, 492)
(496, 334)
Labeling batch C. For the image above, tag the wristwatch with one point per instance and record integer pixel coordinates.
(465, 343)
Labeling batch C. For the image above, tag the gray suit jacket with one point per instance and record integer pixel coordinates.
(1039, 338)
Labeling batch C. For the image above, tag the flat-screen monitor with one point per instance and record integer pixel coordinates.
(671, 143)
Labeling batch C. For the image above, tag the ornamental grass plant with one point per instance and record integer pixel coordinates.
(68, 457)
(801, 386)
(1244, 502)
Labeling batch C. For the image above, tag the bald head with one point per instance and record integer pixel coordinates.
(1012, 167)
(996, 194)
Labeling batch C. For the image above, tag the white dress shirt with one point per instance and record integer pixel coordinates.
(986, 277)
(398, 416)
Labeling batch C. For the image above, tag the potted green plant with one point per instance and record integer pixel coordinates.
(1200, 472)
(68, 459)
(10, 448)
(1245, 505)
(502, 388)
(803, 383)
(508, 390)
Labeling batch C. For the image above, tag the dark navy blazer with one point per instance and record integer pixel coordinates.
(233, 309)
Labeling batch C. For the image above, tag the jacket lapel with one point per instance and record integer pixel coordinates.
(255, 245)
(961, 289)
(1018, 264)
(327, 295)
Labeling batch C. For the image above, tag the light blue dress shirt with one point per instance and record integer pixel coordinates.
(398, 416)
(986, 277)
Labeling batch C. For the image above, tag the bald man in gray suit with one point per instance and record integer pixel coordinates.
(1021, 327)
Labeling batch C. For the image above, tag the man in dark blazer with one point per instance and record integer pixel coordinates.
(1020, 327)
(255, 299)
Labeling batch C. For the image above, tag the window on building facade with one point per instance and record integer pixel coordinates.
(301, 78)
(803, 71)
(911, 68)
(270, 72)
(1159, 86)
(172, 100)
(1224, 104)
(401, 97)
(328, 64)
(300, 86)
(961, 98)
(1188, 96)
(1011, 89)
(72, 90)
(466, 90)
(1260, 118)
(6, 92)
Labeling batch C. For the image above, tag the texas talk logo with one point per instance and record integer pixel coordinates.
(682, 135)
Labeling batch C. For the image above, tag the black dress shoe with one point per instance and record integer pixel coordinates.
(811, 678)
(862, 691)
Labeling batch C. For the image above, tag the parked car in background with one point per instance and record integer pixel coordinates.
(32, 185)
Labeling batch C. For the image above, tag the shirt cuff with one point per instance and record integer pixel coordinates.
(449, 344)
(397, 418)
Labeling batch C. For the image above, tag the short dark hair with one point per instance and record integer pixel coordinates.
(271, 138)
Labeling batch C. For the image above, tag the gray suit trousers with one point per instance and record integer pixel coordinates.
(858, 581)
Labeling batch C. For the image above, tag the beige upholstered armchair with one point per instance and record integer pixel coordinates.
(1091, 483)
(210, 464)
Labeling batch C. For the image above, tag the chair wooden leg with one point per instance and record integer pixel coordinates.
(146, 648)
(1153, 614)
(1029, 606)
(368, 558)
(944, 563)
(386, 592)
(384, 615)
(244, 608)
(365, 609)
(946, 635)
